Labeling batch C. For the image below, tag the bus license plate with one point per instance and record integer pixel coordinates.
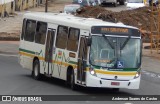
(115, 83)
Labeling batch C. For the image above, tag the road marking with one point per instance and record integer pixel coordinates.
(8, 55)
(151, 74)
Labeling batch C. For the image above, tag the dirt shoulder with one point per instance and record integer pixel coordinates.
(10, 28)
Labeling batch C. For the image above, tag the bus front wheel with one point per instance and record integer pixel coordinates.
(36, 70)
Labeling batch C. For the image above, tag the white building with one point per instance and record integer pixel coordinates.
(5, 1)
(7, 6)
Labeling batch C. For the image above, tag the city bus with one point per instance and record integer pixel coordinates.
(81, 51)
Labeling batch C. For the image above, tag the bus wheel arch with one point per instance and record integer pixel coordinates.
(36, 69)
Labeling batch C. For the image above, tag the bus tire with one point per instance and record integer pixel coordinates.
(121, 3)
(68, 78)
(36, 70)
(115, 4)
(72, 83)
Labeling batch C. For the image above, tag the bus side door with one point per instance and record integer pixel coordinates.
(82, 57)
(49, 51)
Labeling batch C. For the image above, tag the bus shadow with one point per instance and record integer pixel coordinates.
(84, 90)
(102, 91)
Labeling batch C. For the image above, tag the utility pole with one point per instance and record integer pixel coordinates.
(46, 6)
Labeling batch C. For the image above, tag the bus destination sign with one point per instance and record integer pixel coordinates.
(114, 30)
(120, 31)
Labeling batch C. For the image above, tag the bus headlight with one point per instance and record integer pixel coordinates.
(92, 71)
(137, 75)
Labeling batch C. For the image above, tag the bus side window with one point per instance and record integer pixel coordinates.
(23, 29)
(30, 30)
(73, 37)
(41, 30)
(62, 35)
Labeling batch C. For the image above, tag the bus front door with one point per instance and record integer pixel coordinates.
(49, 52)
(82, 56)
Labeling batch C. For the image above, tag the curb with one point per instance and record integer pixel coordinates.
(151, 56)
(9, 53)
(9, 39)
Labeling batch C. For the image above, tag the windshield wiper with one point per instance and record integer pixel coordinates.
(121, 48)
(108, 41)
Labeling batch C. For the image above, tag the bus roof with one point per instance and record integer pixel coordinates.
(71, 20)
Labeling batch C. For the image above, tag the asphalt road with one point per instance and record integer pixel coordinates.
(14, 80)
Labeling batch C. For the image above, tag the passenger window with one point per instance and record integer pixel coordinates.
(30, 30)
(41, 32)
(73, 39)
(23, 29)
(62, 37)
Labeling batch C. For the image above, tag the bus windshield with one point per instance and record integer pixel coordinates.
(115, 52)
(135, 1)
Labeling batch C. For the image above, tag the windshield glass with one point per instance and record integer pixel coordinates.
(135, 1)
(114, 52)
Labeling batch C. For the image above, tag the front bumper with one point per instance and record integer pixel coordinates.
(93, 81)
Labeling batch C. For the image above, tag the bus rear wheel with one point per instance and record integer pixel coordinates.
(36, 70)
(72, 83)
